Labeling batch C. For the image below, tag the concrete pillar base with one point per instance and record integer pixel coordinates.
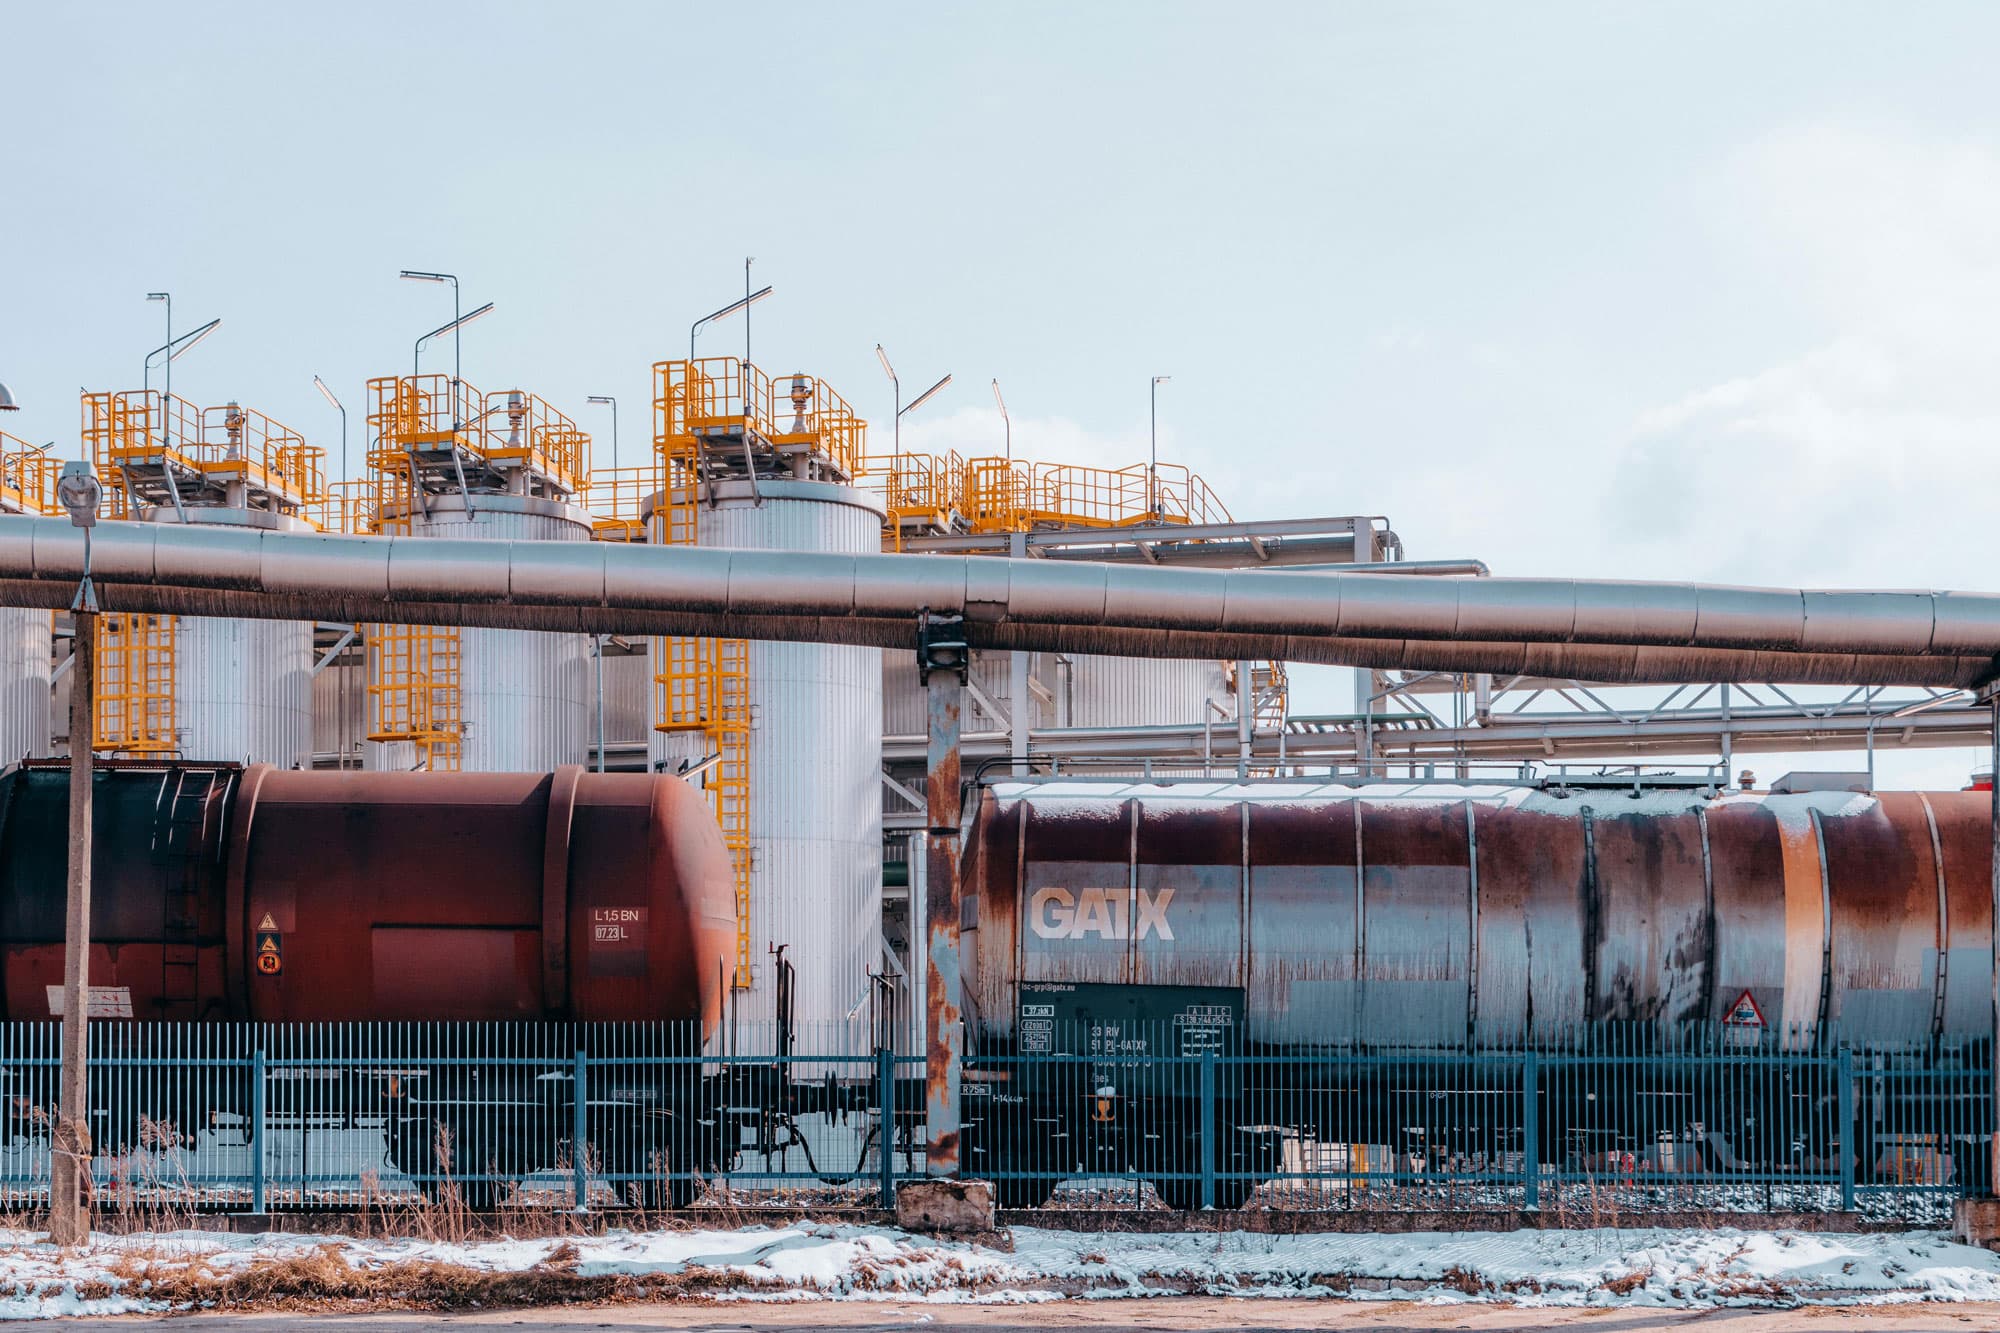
(949, 1207)
(1976, 1222)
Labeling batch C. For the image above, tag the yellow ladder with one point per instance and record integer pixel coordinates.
(135, 712)
(703, 684)
(413, 670)
(413, 686)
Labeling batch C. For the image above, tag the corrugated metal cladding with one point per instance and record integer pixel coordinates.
(340, 711)
(24, 683)
(524, 696)
(244, 690)
(1081, 691)
(815, 765)
(628, 698)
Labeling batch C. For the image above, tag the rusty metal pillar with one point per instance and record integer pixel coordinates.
(1993, 1055)
(941, 662)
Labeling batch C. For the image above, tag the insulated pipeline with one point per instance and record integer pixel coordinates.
(1607, 631)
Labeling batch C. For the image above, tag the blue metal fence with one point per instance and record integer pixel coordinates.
(1605, 1124)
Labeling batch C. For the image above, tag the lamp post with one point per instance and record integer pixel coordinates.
(457, 323)
(146, 377)
(742, 303)
(1153, 455)
(69, 1148)
(613, 403)
(1005, 420)
(915, 403)
(327, 394)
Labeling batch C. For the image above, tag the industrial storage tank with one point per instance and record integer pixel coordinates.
(814, 754)
(1323, 914)
(450, 464)
(373, 896)
(229, 690)
(27, 486)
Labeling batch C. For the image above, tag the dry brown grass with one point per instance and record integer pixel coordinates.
(324, 1278)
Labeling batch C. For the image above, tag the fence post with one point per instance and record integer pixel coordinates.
(579, 1132)
(1207, 1129)
(1531, 1132)
(885, 1121)
(258, 1198)
(1844, 1072)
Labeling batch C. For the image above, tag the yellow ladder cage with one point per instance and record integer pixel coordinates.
(413, 691)
(134, 713)
(413, 677)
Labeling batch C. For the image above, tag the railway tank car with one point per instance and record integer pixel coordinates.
(280, 896)
(1320, 924)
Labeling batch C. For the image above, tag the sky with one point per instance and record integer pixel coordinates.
(1693, 291)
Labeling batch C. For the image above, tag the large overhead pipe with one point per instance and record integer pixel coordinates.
(1602, 631)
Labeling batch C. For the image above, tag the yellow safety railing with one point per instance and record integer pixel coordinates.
(714, 396)
(523, 429)
(27, 477)
(137, 432)
(135, 712)
(618, 501)
(925, 492)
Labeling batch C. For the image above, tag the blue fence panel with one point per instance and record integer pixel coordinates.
(1599, 1125)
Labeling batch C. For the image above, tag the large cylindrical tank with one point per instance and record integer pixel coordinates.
(522, 695)
(815, 761)
(25, 668)
(383, 896)
(242, 688)
(1437, 917)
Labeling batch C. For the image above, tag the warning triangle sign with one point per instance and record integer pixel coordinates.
(1744, 1013)
(267, 923)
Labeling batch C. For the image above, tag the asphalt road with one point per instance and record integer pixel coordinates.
(1167, 1314)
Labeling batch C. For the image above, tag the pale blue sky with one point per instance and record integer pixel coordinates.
(1652, 290)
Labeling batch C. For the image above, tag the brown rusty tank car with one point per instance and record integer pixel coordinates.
(270, 894)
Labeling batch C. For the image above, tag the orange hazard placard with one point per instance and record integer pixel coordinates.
(1744, 1013)
(270, 953)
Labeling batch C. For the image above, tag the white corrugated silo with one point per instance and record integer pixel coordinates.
(27, 486)
(522, 694)
(815, 763)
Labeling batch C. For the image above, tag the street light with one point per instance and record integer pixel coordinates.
(69, 1147)
(146, 374)
(457, 323)
(327, 394)
(742, 303)
(1005, 420)
(1153, 456)
(607, 398)
(918, 402)
(7, 403)
(417, 352)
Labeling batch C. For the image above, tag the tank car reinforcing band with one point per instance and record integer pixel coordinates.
(1941, 972)
(555, 888)
(236, 897)
(1472, 926)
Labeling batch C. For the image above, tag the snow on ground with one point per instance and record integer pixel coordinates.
(1691, 1267)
